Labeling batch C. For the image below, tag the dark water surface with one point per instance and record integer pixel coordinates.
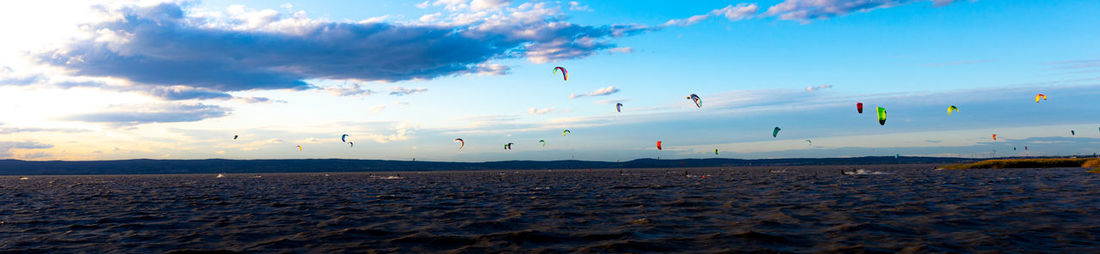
(797, 209)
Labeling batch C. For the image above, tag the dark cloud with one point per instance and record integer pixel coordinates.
(6, 147)
(185, 93)
(165, 47)
(158, 114)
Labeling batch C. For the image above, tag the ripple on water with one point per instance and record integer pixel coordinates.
(895, 208)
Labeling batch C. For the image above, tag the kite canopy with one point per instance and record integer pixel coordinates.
(994, 137)
(351, 144)
(658, 145)
(564, 75)
(775, 132)
(1072, 133)
(619, 107)
(508, 146)
(299, 147)
(344, 138)
(881, 115)
(235, 137)
(695, 98)
(543, 141)
(565, 132)
(859, 107)
(952, 108)
(462, 145)
(1040, 96)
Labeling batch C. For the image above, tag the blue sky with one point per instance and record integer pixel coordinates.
(176, 80)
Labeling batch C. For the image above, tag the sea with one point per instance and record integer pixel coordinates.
(807, 209)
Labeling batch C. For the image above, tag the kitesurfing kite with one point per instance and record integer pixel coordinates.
(1072, 133)
(859, 107)
(619, 107)
(543, 141)
(808, 142)
(351, 144)
(952, 108)
(994, 137)
(344, 138)
(299, 147)
(775, 132)
(462, 145)
(881, 115)
(1040, 96)
(564, 75)
(696, 99)
(235, 137)
(658, 145)
(508, 146)
(715, 151)
(565, 132)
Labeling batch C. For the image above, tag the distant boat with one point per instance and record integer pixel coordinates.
(220, 176)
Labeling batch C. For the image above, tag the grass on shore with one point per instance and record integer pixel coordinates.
(1030, 163)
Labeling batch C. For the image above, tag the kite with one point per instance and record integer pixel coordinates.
(696, 99)
(565, 132)
(658, 145)
(809, 142)
(1072, 133)
(994, 137)
(775, 132)
(619, 107)
(508, 146)
(1040, 96)
(881, 115)
(235, 137)
(715, 151)
(952, 108)
(859, 107)
(564, 75)
(344, 138)
(352, 144)
(463, 143)
(543, 141)
(299, 147)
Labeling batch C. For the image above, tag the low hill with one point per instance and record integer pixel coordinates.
(148, 166)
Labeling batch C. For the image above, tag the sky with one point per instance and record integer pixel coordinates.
(107, 80)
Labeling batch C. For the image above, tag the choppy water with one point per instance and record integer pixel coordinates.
(797, 209)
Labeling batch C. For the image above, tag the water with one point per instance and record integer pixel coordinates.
(774, 209)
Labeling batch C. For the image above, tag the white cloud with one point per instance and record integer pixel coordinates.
(537, 111)
(815, 88)
(576, 6)
(478, 5)
(807, 10)
(738, 12)
(622, 50)
(354, 89)
(731, 12)
(401, 91)
(599, 92)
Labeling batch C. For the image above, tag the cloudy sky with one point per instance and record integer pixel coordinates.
(83, 80)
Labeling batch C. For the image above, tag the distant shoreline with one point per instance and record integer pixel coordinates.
(1072, 162)
(148, 166)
